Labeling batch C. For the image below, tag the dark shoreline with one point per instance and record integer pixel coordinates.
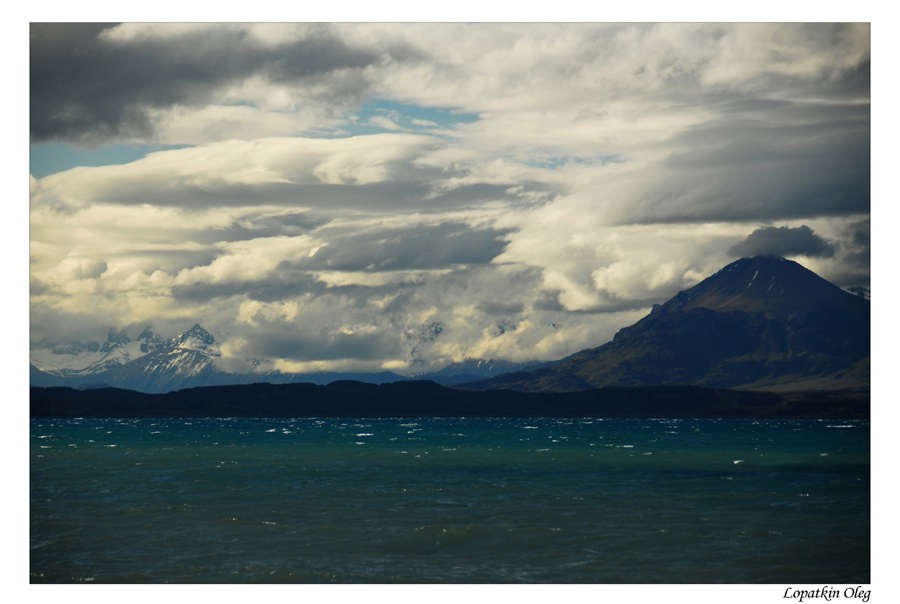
(428, 399)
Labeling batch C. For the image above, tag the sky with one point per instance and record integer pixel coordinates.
(378, 196)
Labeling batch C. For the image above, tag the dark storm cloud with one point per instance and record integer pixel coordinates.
(86, 89)
(757, 130)
(783, 241)
(856, 258)
(855, 84)
(417, 248)
(849, 83)
(859, 233)
(765, 159)
(854, 270)
(851, 272)
(722, 125)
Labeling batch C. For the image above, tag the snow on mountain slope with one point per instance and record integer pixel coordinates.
(92, 358)
(146, 364)
(179, 362)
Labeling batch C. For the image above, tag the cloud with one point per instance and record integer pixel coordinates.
(764, 160)
(349, 186)
(94, 83)
(754, 53)
(412, 247)
(374, 173)
(297, 346)
(381, 121)
(151, 81)
(783, 241)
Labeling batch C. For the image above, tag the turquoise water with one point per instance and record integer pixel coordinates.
(450, 500)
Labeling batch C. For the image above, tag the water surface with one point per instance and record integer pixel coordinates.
(450, 500)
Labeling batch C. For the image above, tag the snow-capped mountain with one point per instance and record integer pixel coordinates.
(182, 361)
(476, 369)
(146, 363)
(189, 360)
(758, 323)
(93, 358)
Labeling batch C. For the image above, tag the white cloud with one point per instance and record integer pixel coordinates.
(381, 121)
(599, 169)
(130, 32)
(230, 172)
(251, 260)
(754, 51)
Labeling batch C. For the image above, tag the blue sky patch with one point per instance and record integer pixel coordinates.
(382, 115)
(552, 162)
(50, 158)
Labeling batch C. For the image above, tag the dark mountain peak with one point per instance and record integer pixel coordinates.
(761, 322)
(765, 284)
(197, 330)
(196, 337)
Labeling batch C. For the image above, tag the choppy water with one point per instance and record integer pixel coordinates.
(450, 500)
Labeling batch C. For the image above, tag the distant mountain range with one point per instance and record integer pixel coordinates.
(147, 364)
(760, 323)
(92, 358)
(150, 365)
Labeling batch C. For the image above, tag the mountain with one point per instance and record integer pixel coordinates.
(859, 290)
(92, 358)
(150, 365)
(758, 323)
(146, 364)
(475, 369)
(44, 379)
(185, 360)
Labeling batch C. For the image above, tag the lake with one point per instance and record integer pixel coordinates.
(450, 501)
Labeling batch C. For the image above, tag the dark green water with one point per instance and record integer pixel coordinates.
(450, 500)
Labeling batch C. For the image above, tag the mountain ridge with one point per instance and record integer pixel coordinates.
(188, 360)
(428, 399)
(758, 323)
